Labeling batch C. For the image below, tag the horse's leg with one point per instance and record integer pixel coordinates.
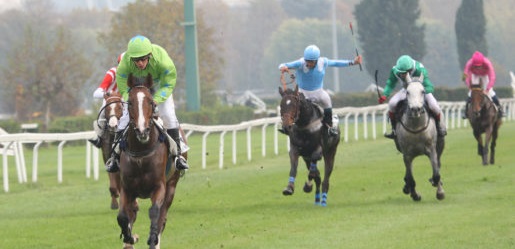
(409, 187)
(114, 188)
(328, 169)
(488, 138)
(312, 173)
(154, 214)
(435, 180)
(126, 218)
(479, 138)
(170, 194)
(494, 143)
(294, 161)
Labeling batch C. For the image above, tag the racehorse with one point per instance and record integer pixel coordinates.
(483, 117)
(146, 169)
(112, 113)
(309, 139)
(417, 135)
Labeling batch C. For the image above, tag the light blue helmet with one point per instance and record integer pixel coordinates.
(311, 53)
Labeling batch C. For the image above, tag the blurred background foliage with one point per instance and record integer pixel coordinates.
(55, 53)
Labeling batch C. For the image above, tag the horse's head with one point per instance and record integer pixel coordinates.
(477, 101)
(141, 107)
(290, 105)
(415, 95)
(113, 110)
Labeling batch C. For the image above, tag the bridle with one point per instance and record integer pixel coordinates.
(118, 99)
(152, 103)
(294, 114)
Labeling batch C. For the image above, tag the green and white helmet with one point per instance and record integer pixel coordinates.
(139, 46)
(404, 63)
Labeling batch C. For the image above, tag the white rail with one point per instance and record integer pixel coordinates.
(356, 115)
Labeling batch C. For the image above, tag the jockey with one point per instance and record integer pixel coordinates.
(478, 70)
(108, 84)
(143, 58)
(310, 78)
(405, 64)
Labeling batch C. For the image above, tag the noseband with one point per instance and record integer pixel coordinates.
(292, 115)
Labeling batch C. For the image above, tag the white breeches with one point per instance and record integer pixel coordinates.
(401, 95)
(319, 96)
(166, 113)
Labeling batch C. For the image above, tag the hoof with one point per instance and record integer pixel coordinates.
(323, 204)
(405, 190)
(308, 187)
(288, 191)
(440, 196)
(416, 197)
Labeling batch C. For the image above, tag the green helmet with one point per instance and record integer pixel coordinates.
(404, 64)
(139, 46)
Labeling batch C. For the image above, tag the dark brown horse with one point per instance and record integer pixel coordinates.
(146, 169)
(112, 113)
(483, 117)
(309, 139)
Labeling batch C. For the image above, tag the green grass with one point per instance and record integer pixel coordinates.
(242, 205)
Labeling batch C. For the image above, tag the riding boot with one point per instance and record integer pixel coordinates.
(328, 121)
(97, 142)
(113, 162)
(499, 106)
(440, 128)
(284, 131)
(180, 161)
(99, 130)
(392, 135)
(467, 103)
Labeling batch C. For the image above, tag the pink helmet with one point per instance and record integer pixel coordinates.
(120, 57)
(478, 59)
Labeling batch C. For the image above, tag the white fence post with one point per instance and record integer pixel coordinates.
(452, 114)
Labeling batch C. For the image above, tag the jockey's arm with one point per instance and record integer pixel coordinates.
(288, 65)
(99, 93)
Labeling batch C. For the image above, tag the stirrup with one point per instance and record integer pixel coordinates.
(283, 131)
(392, 135)
(97, 142)
(112, 165)
(332, 131)
(180, 163)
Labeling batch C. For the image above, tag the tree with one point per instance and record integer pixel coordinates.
(387, 30)
(470, 30)
(45, 70)
(160, 21)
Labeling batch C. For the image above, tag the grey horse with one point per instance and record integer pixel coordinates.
(417, 135)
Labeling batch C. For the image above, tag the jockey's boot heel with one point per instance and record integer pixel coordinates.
(392, 134)
(112, 164)
(467, 102)
(180, 161)
(97, 142)
(440, 128)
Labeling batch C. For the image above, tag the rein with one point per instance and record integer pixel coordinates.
(283, 81)
(105, 106)
(152, 124)
(416, 131)
(144, 152)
